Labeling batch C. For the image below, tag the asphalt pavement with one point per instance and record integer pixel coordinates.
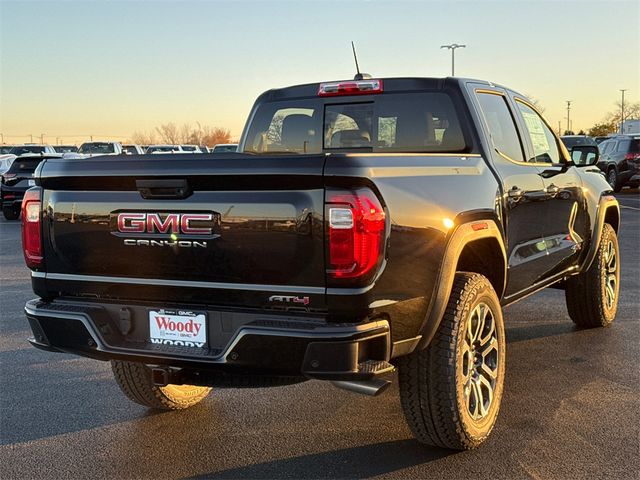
(571, 407)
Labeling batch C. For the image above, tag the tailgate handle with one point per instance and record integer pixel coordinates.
(163, 189)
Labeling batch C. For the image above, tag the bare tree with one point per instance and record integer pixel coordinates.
(631, 110)
(217, 135)
(535, 102)
(169, 133)
(144, 138)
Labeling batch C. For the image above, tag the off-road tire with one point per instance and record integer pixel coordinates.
(134, 379)
(586, 293)
(431, 380)
(10, 213)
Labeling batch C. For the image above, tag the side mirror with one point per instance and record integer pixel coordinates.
(585, 155)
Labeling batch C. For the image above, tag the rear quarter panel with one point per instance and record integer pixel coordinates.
(421, 192)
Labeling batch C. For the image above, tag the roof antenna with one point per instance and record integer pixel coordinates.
(359, 76)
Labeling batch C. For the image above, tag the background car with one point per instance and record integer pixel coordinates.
(620, 161)
(4, 149)
(31, 148)
(17, 180)
(164, 149)
(132, 150)
(5, 162)
(225, 147)
(571, 141)
(65, 148)
(191, 148)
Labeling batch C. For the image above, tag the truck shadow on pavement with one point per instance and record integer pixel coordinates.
(357, 462)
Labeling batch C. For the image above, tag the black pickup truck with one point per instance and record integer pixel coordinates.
(362, 227)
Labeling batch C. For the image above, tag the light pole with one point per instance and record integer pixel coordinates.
(42, 139)
(622, 111)
(453, 47)
(568, 110)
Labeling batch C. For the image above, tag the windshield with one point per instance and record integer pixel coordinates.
(23, 149)
(97, 148)
(5, 149)
(412, 122)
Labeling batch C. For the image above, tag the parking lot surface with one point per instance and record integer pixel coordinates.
(570, 408)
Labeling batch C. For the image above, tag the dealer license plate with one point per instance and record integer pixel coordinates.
(182, 328)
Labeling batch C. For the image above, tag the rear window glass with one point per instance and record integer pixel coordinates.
(424, 122)
(24, 165)
(635, 146)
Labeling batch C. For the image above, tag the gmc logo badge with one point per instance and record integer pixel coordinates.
(178, 223)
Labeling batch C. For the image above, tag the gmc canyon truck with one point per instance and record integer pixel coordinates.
(362, 227)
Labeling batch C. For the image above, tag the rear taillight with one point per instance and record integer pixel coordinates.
(31, 227)
(350, 87)
(632, 156)
(356, 233)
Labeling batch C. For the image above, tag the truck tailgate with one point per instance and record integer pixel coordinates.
(227, 221)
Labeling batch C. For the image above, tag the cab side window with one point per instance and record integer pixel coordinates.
(545, 145)
(501, 125)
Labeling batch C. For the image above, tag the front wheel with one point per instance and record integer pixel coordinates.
(134, 379)
(592, 296)
(451, 391)
(612, 180)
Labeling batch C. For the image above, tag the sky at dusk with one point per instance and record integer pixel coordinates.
(77, 68)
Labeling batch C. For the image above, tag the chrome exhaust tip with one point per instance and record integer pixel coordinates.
(372, 387)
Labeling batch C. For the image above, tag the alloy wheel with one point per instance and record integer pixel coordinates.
(611, 276)
(612, 178)
(480, 361)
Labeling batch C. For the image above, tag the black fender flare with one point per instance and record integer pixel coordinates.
(463, 234)
(606, 202)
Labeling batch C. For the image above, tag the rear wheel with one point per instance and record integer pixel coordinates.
(10, 213)
(134, 379)
(592, 296)
(451, 391)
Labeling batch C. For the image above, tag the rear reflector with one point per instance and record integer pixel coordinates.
(31, 231)
(350, 87)
(356, 233)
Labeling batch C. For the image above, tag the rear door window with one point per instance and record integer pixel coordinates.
(623, 146)
(500, 123)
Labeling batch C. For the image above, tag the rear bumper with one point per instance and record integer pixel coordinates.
(240, 343)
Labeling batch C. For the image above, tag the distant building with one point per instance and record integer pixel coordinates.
(631, 126)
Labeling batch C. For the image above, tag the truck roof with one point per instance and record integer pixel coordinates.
(390, 84)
